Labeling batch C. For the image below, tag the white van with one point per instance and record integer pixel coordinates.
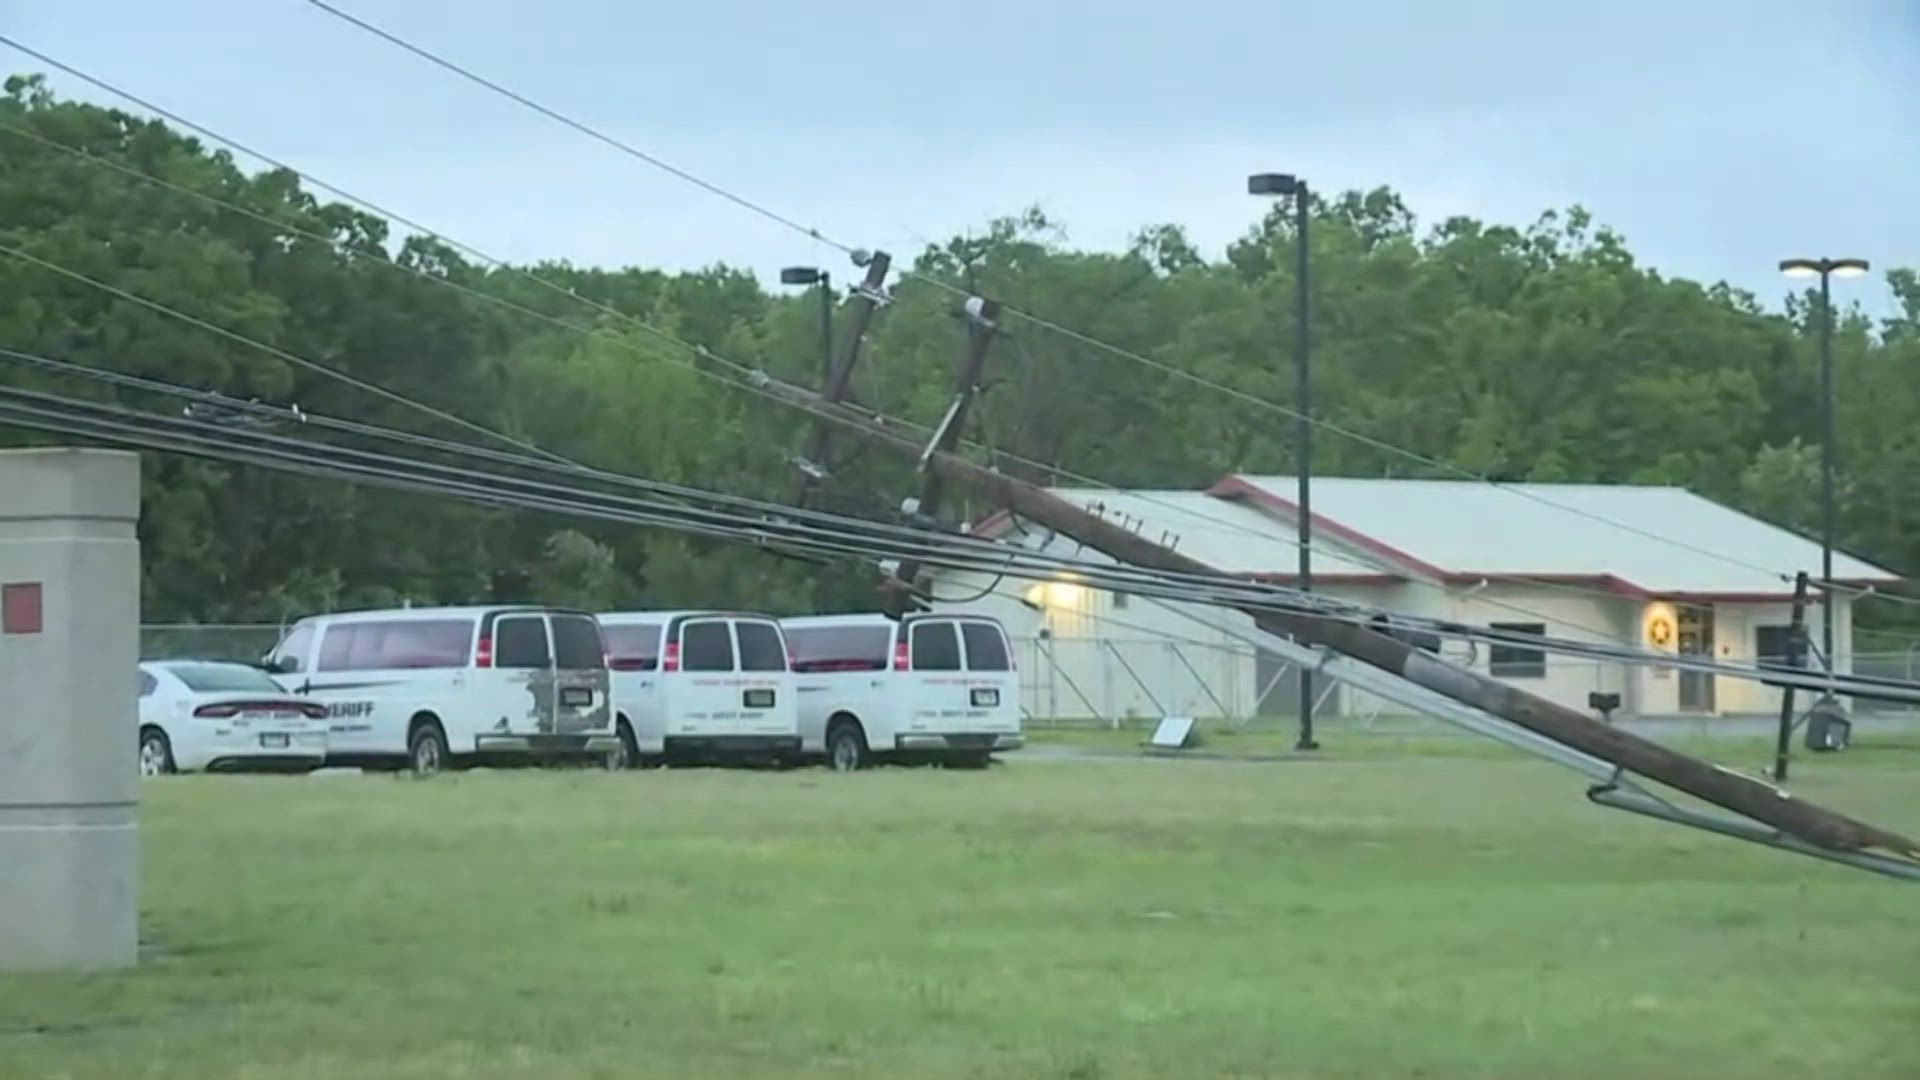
(932, 686)
(431, 688)
(701, 684)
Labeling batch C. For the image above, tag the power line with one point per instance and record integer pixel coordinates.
(648, 328)
(465, 423)
(273, 350)
(354, 252)
(584, 129)
(839, 534)
(1038, 320)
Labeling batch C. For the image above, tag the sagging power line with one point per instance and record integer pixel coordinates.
(765, 523)
(866, 301)
(1796, 824)
(788, 222)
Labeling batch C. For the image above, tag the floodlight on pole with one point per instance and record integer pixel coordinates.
(1288, 185)
(1826, 269)
(813, 275)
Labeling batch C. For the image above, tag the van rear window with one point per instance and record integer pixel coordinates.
(706, 646)
(986, 647)
(380, 644)
(576, 643)
(520, 641)
(633, 646)
(936, 647)
(839, 648)
(760, 647)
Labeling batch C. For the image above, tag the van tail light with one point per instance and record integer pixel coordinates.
(670, 658)
(900, 656)
(483, 652)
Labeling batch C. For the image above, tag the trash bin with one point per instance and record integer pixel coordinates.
(1828, 728)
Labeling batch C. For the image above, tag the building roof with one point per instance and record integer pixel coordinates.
(1641, 540)
(1229, 535)
(1633, 540)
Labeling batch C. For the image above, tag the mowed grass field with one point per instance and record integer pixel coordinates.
(1365, 915)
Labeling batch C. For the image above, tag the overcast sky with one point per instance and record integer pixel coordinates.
(1717, 135)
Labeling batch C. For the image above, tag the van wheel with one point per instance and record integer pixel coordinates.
(427, 749)
(847, 746)
(156, 753)
(628, 756)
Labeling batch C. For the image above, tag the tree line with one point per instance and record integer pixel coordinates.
(1540, 352)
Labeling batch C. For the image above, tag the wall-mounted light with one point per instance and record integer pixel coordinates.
(1054, 596)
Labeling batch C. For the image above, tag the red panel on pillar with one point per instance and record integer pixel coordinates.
(20, 608)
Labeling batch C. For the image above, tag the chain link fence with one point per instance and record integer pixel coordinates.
(1106, 682)
(1121, 683)
(207, 641)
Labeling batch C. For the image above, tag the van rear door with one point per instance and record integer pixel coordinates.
(767, 705)
(582, 689)
(523, 654)
(703, 699)
(936, 691)
(993, 704)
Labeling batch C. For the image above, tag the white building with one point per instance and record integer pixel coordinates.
(1657, 568)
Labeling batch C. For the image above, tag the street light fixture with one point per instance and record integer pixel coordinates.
(1278, 185)
(812, 275)
(1826, 269)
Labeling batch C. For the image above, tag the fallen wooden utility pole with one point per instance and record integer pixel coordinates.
(980, 316)
(813, 465)
(1732, 791)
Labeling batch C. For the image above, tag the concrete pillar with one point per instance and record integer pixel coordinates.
(69, 643)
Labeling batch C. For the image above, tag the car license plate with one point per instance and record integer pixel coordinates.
(273, 739)
(757, 699)
(576, 697)
(986, 696)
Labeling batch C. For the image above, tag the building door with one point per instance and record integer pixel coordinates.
(1695, 638)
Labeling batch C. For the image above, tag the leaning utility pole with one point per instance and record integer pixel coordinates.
(979, 314)
(868, 296)
(1744, 795)
(1796, 657)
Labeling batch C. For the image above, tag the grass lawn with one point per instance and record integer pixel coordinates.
(1434, 916)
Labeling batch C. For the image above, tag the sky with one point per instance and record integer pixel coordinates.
(1718, 136)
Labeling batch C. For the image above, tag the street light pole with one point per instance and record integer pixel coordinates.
(1284, 184)
(1826, 469)
(1826, 269)
(808, 275)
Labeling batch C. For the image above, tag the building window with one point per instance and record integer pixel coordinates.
(1509, 661)
(1773, 645)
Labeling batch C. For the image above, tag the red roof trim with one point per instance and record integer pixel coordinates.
(1600, 582)
(1234, 487)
